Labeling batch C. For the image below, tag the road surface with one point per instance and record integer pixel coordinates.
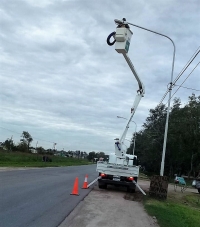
(40, 197)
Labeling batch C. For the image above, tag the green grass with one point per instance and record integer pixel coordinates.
(33, 160)
(184, 212)
(193, 201)
(142, 176)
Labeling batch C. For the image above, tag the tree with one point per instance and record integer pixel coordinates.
(8, 144)
(100, 155)
(40, 150)
(91, 156)
(26, 139)
(192, 136)
(183, 141)
(149, 140)
(184, 134)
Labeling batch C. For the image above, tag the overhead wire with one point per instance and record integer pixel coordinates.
(187, 87)
(187, 65)
(181, 73)
(184, 80)
(21, 134)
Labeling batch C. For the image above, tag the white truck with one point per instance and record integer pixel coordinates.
(122, 169)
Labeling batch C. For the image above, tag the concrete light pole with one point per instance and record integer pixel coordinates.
(11, 142)
(54, 147)
(36, 149)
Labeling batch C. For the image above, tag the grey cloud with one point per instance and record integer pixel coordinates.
(60, 80)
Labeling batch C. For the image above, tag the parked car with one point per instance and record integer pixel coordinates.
(196, 184)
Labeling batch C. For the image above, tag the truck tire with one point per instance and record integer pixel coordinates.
(135, 178)
(131, 190)
(102, 186)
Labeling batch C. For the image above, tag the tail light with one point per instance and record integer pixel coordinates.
(130, 178)
(103, 174)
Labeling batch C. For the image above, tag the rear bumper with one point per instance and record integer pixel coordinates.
(119, 183)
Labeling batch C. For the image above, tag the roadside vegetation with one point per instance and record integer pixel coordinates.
(19, 159)
(180, 210)
(143, 176)
(183, 140)
(23, 154)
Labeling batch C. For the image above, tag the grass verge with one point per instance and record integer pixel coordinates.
(142, 176)
(175, 212)
(34, 160)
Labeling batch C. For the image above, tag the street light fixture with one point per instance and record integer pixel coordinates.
(54, 147)
(123, 21)
(134, 133)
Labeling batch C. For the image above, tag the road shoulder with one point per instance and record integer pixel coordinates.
(110, 208)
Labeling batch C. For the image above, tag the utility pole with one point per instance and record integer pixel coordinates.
(11, 143)
(54, 147)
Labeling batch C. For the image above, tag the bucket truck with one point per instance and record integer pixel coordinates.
(122, 169)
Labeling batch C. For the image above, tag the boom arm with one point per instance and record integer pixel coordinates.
(138, 97)
(141, 86)
(122, 38)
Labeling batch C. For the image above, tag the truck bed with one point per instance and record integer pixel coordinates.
(119, 170)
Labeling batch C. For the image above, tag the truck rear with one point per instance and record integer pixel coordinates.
(118, 172)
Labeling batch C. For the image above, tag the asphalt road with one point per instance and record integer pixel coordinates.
(41, 197)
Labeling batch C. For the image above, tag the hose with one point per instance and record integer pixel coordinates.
(108, 39)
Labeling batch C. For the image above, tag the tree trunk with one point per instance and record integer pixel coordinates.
(191, 166)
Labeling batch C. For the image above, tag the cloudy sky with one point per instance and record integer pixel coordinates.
(61, 82)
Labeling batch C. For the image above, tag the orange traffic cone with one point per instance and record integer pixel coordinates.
(75, 189)
(85, 184)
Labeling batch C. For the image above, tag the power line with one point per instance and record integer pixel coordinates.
(187, 87)
(21, 134)
(185, 80)
(181, 73)
(187, 65)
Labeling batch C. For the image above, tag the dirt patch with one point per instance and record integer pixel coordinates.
(113, 207)
(178, 194)
(172, 194)
(3, 169)
(137, 196)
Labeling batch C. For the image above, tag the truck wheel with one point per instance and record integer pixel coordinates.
(135, 178)
(131, 190)
(103, 186)
(199, 190)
